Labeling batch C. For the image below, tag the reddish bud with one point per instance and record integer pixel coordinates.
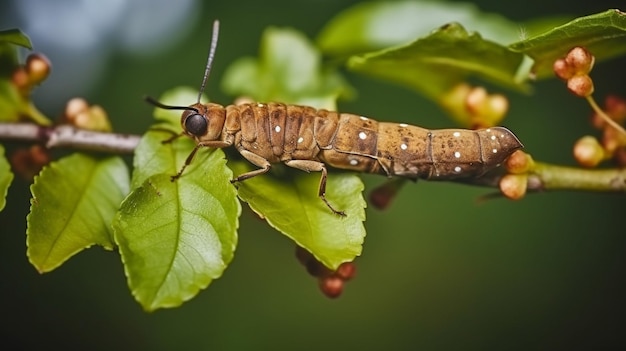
(614, 107)
(75, 107)
(514, 186)
(79, 114)
(580, 85)
(331, 286)
(95, 118)
(498, 104)
(475, 100)
(382, 195)
(580, 60)
(303, 255)
(575, 69)
(494, 111)
(473, 106)
(346, 271)
(20, 80)
(519, 162)
(314, 267)
(37, 67)
(28, 162)
(588, 152)
(562, 69)
(613, 139)
(485, 110)
(597, 121)
(577, 62)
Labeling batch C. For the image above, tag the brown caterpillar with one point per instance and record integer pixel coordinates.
(309, 139)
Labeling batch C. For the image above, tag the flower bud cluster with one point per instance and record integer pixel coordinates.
(589, 151)
(474, 107)
(574, 68)
(79, 114)
(32, 73)
(514, 184)
(330, 282)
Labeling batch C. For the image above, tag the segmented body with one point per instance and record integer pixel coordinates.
(276, 132)
(309, 139)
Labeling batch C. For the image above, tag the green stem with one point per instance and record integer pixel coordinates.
(551, 177)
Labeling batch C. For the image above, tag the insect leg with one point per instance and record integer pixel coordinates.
(315, 166)
(187, 162)
(212, 143)
(257, 161)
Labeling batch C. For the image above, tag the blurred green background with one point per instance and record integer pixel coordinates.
(440, 270)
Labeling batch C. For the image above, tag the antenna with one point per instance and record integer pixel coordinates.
(209, 62)
(207, 70)
(168, 107)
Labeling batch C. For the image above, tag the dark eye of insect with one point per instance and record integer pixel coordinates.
(196, 125)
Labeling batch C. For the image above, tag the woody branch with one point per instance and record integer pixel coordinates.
(542, 176)
(66, 136)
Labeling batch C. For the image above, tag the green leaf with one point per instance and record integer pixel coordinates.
(16, 37)
(14, 107)
(293, 207)
(8, 51)
(73, 203)
(603, 34)
(371, 26)
(288, 70)
(10, 102)
(6, 177)
(8, 61)
(153, 157)
(540, 25)
(448, 56)
(176, 237)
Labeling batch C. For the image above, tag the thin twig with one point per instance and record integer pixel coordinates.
(604, 116)
(552, 177)
(549, 177)
(66, 136)
(543, 177)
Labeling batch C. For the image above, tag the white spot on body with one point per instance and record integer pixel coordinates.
(457, 154)
(363, 118)
(259, 104)
(404, 146)
(457, 169)
(456, 134)
(488, 130)
(354, 162)
(403, 125)
(277, 129)
(362, 135)
(493, 137)
(495, 151)
(300, 139)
